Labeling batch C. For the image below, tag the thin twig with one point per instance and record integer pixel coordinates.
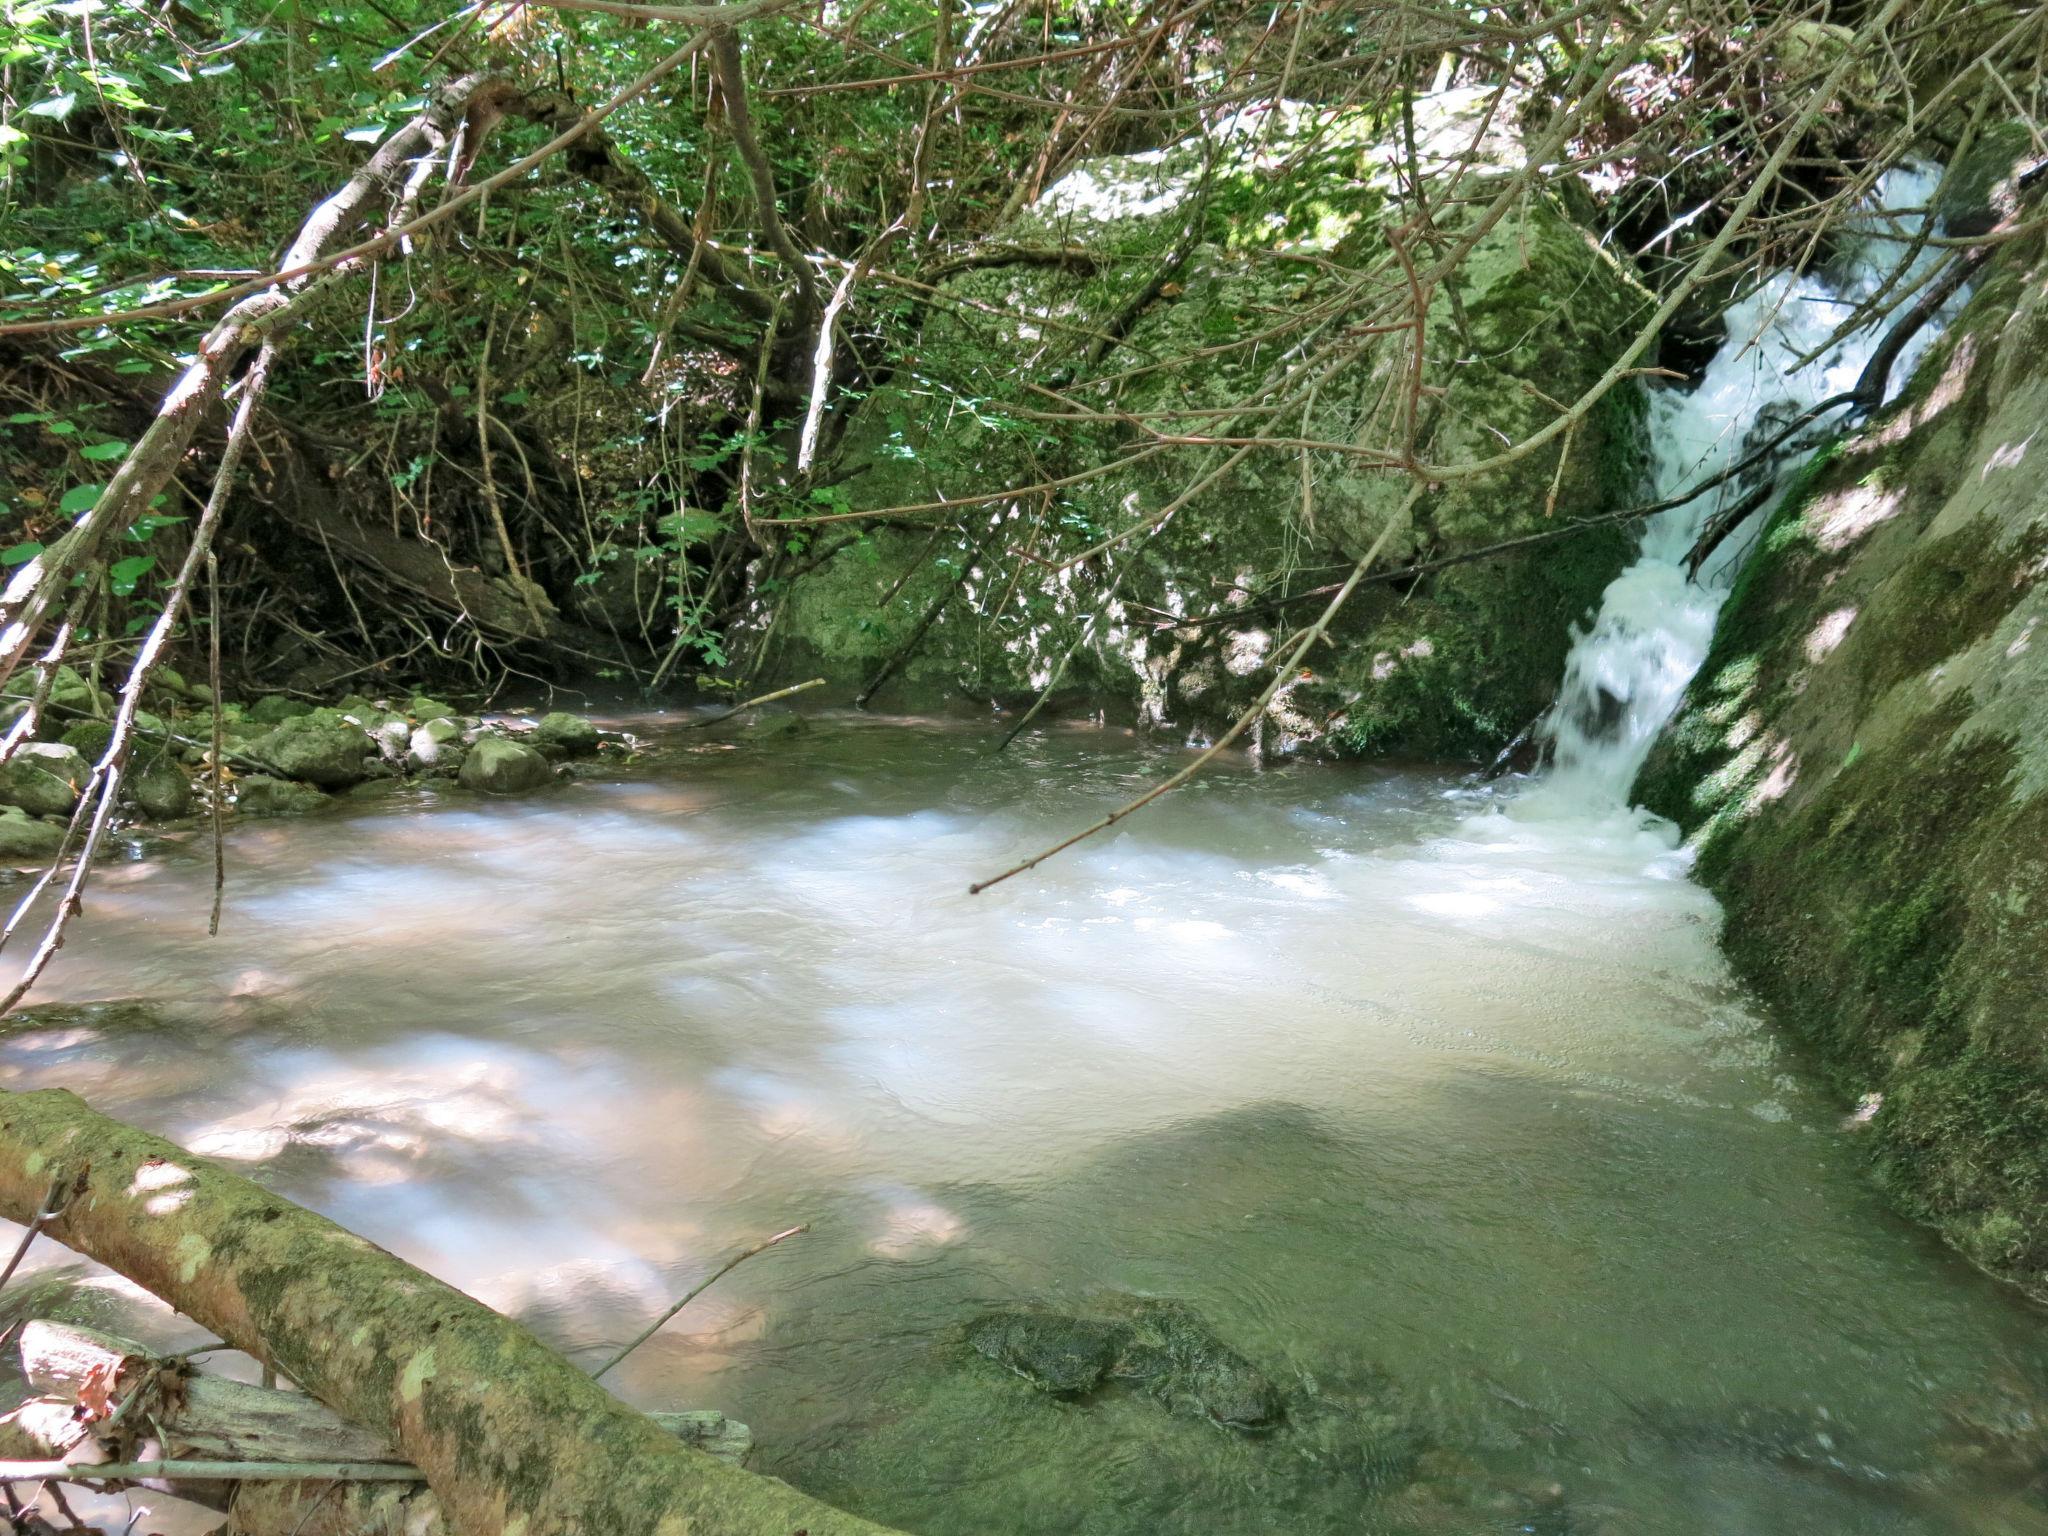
(694, 1292)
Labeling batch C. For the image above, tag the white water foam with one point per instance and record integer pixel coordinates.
(1626, 673)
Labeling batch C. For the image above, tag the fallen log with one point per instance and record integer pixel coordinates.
(270, 1458)
(512, 1439)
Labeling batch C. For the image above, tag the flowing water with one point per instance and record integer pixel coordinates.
(1435, 1100)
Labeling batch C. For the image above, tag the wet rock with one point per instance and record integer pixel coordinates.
(1368, 1433)
(275, 709)
(1173, 1354)
(1055, 1353)
(315, 752)
(161, 791)
(1981, 186)
(70, 697)
(43, 778)
(258, 794)
(24, 840)
(435, 745)
(571, 735)
(1160, 1347)
(775, 726)
(496, 766)
(89, 738)
(424, 707)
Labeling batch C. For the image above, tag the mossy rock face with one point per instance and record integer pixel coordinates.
(1862, 764)
(1168, 591)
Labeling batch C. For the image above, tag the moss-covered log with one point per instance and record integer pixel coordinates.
(512, 1438)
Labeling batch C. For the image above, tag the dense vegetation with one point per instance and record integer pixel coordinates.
(600, 385)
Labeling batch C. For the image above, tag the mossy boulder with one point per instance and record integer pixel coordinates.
(44, 778)
(276, 708)
(496, 766)
(566, 734)
(1166, 592)
(1862, 765)
(160, 789)
(258, 794)
(316, 748)
(89, 738)
(70, 698)
(25, 840)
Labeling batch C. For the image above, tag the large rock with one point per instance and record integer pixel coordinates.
(161, 790)
(1454, 664)
(318, 752)
(570, 735)
(70, 698)
(258, 794)
(276, 708)
(496, 766)
(44, 778)
(24, 840)
(1862, 763)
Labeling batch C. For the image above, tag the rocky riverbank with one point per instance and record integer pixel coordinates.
(280, 756)
(1862, 764)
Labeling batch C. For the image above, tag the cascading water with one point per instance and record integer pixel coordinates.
(1626, 673)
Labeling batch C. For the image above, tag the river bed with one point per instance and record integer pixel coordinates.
(1434, 1099)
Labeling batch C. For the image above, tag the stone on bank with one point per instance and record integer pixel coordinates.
(44, 778)
(496, 766)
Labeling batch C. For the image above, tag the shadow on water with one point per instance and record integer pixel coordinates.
(1448, 1119)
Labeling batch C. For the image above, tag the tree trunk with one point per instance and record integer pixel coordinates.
(512, 1438)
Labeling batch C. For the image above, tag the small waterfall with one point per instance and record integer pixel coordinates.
(1626, 673)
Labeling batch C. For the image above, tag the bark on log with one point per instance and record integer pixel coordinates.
(210, 1418)
(513, 1439)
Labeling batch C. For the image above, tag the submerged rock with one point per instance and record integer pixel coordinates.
(496, 766)
(1173, 1354)
(24, 840)
(1161, 1347)
(571, 735)
(1055, 1353)
(258, 794)
(43, 778)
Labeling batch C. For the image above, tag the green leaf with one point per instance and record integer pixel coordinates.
(80, 498)
(123, 574)
(58, 107)
(20, 554)
(100, 452)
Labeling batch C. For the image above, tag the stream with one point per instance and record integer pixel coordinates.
(1433, 1098)
(1406, 1093)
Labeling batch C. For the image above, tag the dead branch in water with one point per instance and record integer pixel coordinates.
(766, 698)
(694, 1292)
